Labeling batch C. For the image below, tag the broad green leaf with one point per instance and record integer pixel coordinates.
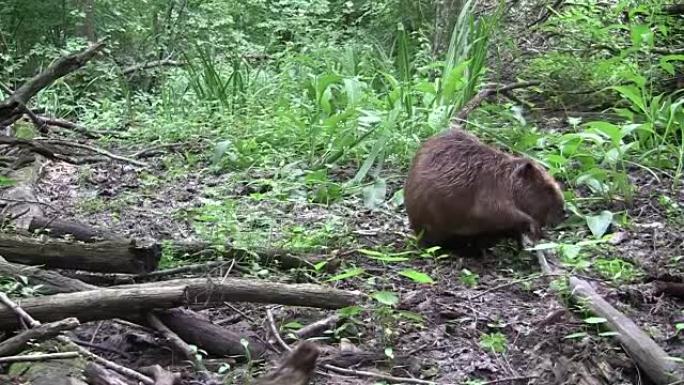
(374, 195)
(575, 335)
(347, 274)
(354, 90)
(293, 325)
(384, 257)
(318, 266)
(411, 316)
(595, 320)
(609, 129)
(389, 353)
(6, 182)
(641, 33)
(386, 298)
(417, 276)
(598, 224)
(633, 94)
(570, 251)
(667, 66)
(219, 151)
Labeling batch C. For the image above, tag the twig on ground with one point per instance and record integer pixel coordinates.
(53, 208)
(274, 331)
(188, 269)
(70, 126)
(486, 92)
(38, 357)
(16, 344)
(38, 148)
(96, 150)
(149, 152)
(511, 283)
(545, 15)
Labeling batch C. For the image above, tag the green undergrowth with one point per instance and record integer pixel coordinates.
(296, 149)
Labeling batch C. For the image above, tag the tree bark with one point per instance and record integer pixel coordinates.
(134, 301)
(107, 256)
(16, 344)
(56, 228)
(50, 281)
(648, 355)
(215, 340)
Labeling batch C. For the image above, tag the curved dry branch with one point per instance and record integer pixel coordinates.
(60, 68)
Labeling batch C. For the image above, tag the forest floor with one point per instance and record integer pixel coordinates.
(473, 306)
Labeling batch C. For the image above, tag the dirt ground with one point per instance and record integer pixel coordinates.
(445, 347)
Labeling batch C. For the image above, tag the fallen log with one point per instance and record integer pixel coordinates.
(51, 282)
(175, 341)
(134, 301)
(16, 344)
(106, 256)
(650, 357)
(215, 340)
(55, 227)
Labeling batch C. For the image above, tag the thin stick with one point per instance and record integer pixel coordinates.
(18, 310)
(106, 363)
(486, 92)
(511, 283)
(274, 330)
(39, 357)
(96, 150)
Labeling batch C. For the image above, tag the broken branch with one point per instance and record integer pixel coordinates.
(16, 344)
(655, 362)
(61, 67)
(38, 357)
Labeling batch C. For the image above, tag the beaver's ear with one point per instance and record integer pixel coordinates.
(524, 169)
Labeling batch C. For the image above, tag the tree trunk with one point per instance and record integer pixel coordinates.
(215, 340)
(134, 301)
(107, 256)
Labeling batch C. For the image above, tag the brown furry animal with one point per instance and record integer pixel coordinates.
(460, 191)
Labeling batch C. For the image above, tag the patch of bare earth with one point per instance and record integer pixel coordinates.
(445, 347)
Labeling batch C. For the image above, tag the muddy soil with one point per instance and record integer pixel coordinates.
(524, 319)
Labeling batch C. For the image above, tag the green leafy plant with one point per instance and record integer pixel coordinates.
(494, 342)
(468, 278)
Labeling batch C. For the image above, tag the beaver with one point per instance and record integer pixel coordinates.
(463, 194)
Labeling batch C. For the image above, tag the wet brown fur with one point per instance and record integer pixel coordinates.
(461, 192)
